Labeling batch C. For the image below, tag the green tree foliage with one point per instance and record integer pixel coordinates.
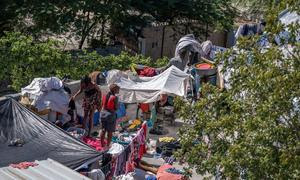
(79, 18)
(8, 14)
(255, 9)
(252, 129)
(194, 15)
(108, 18)
(23, 59)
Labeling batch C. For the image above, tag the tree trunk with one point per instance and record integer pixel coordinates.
(186, 30)
(81, 41)
(206, 33)
(102, 31)
(84, 33)
(162, 42)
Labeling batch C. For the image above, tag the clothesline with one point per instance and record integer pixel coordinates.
(124, 162)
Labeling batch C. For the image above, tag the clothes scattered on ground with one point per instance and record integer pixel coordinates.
(76, 132)
(174, 171)
(134, 124)
(24, 165)
(167, 149)
(169, 160)
(128, 176)
(95, 143)
(140, 174)
(162, 174)
(157, 131)
(96, 174)
(151, 177)
(166, 139)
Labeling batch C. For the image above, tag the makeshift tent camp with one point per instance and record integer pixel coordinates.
(24, 136)
(148, 89)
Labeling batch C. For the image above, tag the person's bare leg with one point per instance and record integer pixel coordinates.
(91, 123)
(109, 137)
(102, 137)
(85, 119)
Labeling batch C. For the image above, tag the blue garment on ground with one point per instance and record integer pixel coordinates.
(150, 177)
(174, 171)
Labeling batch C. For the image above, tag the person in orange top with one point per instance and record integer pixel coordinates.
(108, 115)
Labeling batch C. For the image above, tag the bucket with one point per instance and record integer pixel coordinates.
(204, 69)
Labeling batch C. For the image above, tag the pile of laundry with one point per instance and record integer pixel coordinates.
(23, 165)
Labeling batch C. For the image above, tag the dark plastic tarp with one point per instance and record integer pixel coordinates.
(41, 139)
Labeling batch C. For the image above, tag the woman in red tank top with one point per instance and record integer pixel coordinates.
(108, 114)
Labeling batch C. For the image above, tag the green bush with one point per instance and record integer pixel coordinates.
(23, 59)
(252, 129)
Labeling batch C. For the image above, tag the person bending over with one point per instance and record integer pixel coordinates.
(91, 101)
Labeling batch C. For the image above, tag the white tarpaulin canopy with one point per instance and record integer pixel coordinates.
(148, 89)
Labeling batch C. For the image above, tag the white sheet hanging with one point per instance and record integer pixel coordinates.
(148, 89)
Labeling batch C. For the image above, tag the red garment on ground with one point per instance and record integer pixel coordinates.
(163, 175)
(23, 165)
(147, 72)
(95, 143)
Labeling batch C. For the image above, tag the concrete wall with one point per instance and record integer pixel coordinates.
(153, 41)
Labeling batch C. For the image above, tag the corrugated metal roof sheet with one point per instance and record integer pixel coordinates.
(46, 170)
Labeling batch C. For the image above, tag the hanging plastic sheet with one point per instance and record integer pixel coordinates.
(148, 89)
